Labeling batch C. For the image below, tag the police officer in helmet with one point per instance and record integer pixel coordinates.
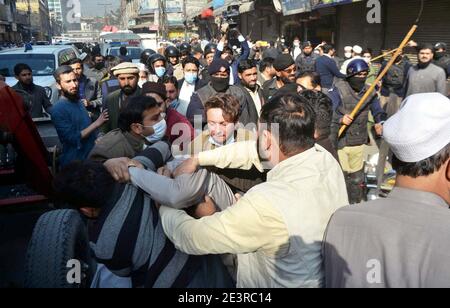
(345, 95)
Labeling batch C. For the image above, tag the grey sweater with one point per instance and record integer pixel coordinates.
(430, 79)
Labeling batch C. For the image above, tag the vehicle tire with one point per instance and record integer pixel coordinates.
(59, 241)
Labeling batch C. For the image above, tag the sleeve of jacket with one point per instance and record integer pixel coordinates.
(63, 125)
(97, 99)
(332, 66)
(195, 109)
(106, 127)
(441, 83)
(180, 193)
(219, 50)
(46, 102)
(245, 51)
(378, 113)
(250, 225)
(239, 155)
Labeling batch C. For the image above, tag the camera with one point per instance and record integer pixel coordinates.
(231, 16)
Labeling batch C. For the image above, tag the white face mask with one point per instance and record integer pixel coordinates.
(348, 55)
(141, 83)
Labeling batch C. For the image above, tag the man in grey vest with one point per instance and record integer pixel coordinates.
(345, 95)
(401, 241)
(220, 83)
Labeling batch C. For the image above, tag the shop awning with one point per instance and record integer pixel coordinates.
(247, 7)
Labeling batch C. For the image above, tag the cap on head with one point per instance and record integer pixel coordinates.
(125, 68)
(282, 62)
(357, 49)
(218, 65)
(420, 129)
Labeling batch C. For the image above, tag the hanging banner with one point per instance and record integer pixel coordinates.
(218, 3)
(317, 4)
(291, 7)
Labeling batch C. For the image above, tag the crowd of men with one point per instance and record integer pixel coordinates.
(222, 165)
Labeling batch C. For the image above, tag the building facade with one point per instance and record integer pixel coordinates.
(39, 20)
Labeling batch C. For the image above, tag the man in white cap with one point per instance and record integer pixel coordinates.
(128, 76)
(401, 241)
(348, 52)
(356, 54)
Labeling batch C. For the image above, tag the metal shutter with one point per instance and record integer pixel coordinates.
(434, 25)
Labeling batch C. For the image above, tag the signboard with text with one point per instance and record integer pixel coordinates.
(291, 7)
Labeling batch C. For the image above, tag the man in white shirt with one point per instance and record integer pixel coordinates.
(356, 54)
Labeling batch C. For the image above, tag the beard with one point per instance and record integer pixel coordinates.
(251, 87)
(71, 96)
(286, 80)
(128, 90)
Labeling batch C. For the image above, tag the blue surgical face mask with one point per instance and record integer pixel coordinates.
(160, 129)
(190, 78)
(160, 71)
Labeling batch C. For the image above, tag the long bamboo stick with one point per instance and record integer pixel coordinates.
(383, 73)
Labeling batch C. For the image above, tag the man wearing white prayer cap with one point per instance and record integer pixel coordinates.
(403, 240)
(356, 54)
(348, 52)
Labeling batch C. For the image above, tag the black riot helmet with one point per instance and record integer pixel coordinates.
(172, 52)
(210, 48)
(146, 54)
(155, 58)
(185, 48)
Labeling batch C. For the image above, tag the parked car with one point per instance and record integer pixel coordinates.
(43, 60)
(133, 52)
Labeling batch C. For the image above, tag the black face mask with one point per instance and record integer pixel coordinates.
(220, 84)
(357, 83)
(439, 54)
(99, 66)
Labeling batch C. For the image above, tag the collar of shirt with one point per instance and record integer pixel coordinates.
(229, 141)
(292, 163)
(231, 76)
(29, 89)
(417, 196)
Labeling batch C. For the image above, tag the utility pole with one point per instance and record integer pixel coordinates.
(162, 18)
(105, 18)
(29, 19)
(185, 21)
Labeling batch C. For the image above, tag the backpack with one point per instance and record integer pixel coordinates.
(395, 77)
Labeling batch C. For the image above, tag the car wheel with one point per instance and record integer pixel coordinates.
(58, 255)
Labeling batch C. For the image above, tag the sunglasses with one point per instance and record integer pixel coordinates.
(290, 70)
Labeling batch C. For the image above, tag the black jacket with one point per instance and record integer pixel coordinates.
(249, 113)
